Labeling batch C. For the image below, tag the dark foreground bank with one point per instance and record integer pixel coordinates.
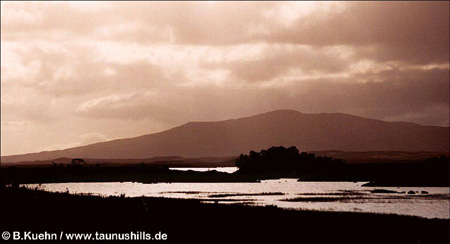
(190, 221)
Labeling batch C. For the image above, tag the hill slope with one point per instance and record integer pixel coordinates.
(309, 132)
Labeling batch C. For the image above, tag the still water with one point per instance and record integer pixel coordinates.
(219, 169)
(428, 202)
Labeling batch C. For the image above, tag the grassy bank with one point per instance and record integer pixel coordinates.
(190, 221)
(417, 174)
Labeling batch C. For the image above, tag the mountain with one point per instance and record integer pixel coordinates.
(308, 132)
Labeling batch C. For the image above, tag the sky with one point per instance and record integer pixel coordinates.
(76, 73)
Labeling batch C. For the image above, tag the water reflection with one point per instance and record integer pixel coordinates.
(429, 202)
(219, 169)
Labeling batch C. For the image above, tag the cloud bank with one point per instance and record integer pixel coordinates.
(82, 72)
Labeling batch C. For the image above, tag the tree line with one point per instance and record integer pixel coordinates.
(282, 159)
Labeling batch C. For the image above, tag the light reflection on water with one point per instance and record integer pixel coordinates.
(331, 196)
(219, 169)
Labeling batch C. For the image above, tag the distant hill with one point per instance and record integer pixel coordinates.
(156, 161)
(308, 132)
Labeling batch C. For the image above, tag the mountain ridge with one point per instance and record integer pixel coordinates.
(309, 132)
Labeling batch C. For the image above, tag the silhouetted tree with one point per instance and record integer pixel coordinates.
(77, 161)
(282, 159)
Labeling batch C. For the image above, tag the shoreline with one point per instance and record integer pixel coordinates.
(376, 175)
(190, 221)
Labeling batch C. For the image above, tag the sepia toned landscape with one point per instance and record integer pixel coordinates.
(225, 122)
